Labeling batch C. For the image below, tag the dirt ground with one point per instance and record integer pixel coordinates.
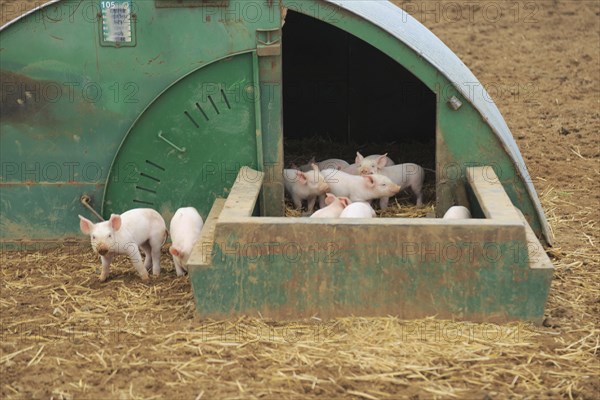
(66, 336)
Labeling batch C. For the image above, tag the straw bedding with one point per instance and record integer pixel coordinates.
(67, 336)
(64, 335)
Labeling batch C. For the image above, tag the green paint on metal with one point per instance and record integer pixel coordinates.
(44, 210)
(257, 112)
(244, 281)
(188, 146)
(68, 102)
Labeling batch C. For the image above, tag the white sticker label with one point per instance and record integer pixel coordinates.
(116, 21)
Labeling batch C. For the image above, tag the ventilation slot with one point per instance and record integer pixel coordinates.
(202, 111)
(213, 104)
(150, 177)
(155, 165)
(225, 99)
(147, 203)
(146, 189)
(191, 119)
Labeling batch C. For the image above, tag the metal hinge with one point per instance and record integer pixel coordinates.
(268, 42)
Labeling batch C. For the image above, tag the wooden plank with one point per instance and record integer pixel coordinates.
(490, 194)
(201, 253)
(538, 258)
(244, 194)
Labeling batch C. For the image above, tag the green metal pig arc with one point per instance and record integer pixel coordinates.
(160, 103)
(82, 114)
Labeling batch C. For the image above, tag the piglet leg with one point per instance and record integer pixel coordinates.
(136, 259)
(383, 203)
(105, 267)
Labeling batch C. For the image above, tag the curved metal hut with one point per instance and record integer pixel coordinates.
(161, 103)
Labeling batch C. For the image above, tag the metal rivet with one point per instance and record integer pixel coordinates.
(454, 103)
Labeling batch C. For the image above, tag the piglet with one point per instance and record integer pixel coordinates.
(358, 188)
(372, 164)
(407, 176)
(334, 163)
(185, 229)
(335, 205)
(304, 186)
(457, 212)
(360, 209)
(124, 234)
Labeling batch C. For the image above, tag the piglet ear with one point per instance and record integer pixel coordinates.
(301, 177)
(115, 221)
(345, 201)
(369, 180)
(329, 199)
(382, 161)
(359, 158)
(174, 251)
(85, 225)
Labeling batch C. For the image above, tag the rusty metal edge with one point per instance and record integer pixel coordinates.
(13, 21)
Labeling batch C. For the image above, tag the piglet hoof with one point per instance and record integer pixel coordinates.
(145, 278)
(102, 278)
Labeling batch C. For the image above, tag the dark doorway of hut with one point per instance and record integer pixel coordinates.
(342, 95)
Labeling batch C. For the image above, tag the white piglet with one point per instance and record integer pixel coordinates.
(372, 164)
(457, 212)
(334, 163)
(360, 209)
(407, 176)
(367, 163)
(304, 186)
(125, 234)
(351, 169)
(335, 205)
(358, 188)
(185, 229)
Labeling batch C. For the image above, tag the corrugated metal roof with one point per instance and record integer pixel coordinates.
(416, 36)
